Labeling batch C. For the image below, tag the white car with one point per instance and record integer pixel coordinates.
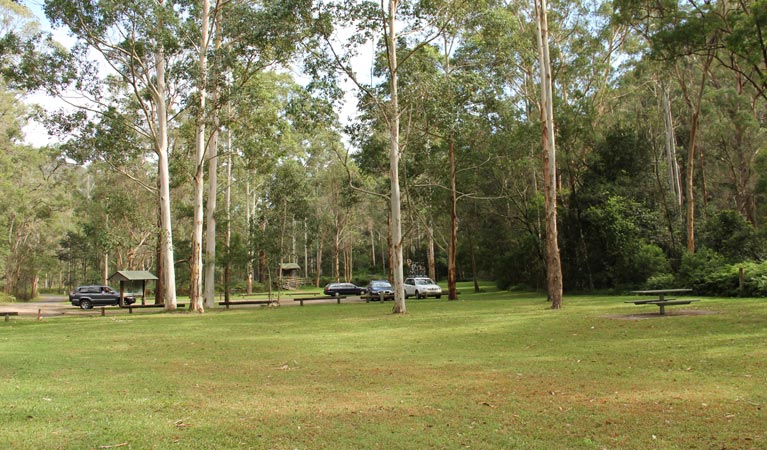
(422, 288)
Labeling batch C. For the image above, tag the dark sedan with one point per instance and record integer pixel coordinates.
(336, 289)
(380, 289)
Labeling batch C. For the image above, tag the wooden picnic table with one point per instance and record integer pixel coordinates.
(661, 293)
(662, 301)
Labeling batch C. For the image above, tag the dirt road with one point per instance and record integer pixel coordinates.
(48, 306)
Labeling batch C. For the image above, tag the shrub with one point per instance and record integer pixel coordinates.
(722, 282)
(707, 274)
(649, 260)
(754, 279)
(660, 281)
(730, 235)
(695, 267)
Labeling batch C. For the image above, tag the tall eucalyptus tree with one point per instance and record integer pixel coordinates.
(248, 38)
(403, 29)
(137, 42)
(553, 264)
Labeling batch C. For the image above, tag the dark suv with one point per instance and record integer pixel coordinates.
(86, 297)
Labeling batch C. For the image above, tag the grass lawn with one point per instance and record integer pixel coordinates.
(494, 370)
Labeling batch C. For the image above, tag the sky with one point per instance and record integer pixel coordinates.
(36, 135)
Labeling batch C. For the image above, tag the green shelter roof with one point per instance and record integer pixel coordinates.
(132, 275)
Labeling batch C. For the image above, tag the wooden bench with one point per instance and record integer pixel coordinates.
(247, 302)
(649, 300)
(8, 314)
(153, 305)
(663, 303)
(308, 299)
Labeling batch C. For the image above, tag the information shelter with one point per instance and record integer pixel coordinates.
(133, 281)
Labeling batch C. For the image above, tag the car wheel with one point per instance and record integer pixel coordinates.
(86, 304)
(438, 296)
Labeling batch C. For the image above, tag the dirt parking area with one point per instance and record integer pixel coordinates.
(46, 307)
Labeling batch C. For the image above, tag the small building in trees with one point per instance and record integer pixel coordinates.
(290, 276)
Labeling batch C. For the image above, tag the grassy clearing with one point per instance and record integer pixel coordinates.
(495, 370)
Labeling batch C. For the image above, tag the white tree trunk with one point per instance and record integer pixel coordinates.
(106, 268)
(249, 217)
(673, 165)
(210, 237)
(195, 283)
(228, 202)
(396, 222)
(161, 148)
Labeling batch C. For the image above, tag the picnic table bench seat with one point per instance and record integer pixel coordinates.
(247, 302)
(663, 303)
(151, 305)
(7, 314)
(649, 300)
(301, 300)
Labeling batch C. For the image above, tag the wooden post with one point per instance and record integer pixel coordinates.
(39, 315)
(103, 311)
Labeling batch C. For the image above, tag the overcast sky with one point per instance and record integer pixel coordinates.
(36, 135)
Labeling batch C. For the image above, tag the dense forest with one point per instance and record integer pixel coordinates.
(210, 142)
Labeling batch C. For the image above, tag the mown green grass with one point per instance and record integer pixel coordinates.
(494, 370)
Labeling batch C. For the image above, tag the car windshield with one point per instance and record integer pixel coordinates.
(381, 284)
(424, 281)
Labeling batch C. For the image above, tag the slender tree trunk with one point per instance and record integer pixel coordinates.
(318, 274)
(372, 246)
(106, 269)
(195, 263)
(228, 200)
(553, 265)
(703, 186)
(394, 149)
(430, 256)
(35, 286)
(306, 251)
(389, 249)
(336, 251)
(695, 105)
(159, 290)
(474, 276)
(210, 231)
(210, 237)
(262, 258)
(670, 143)
(452, 290)
(161, 148)
(249, 212)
